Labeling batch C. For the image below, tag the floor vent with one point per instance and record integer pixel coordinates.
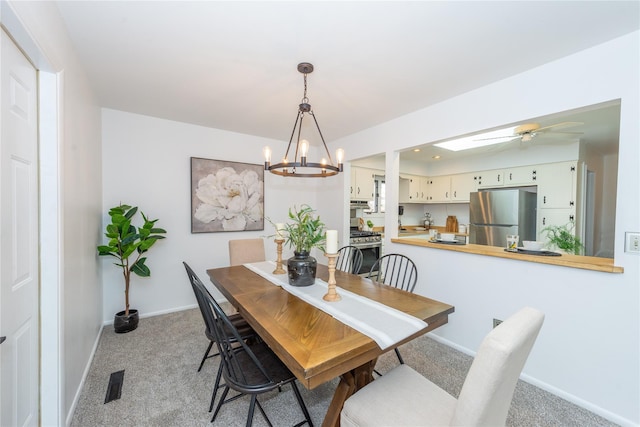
(115, 386)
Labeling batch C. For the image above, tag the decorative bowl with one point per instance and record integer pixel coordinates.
(532, 246)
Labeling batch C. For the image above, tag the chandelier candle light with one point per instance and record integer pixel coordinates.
(308, 169)
(279, 241)
(332, 255)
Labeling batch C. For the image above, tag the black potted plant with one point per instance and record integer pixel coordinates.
(304, 233)
(125, 240)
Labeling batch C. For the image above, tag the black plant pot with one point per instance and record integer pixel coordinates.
(123, 324)
(302, 269)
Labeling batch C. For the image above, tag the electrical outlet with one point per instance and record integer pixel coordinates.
(496, 322)
(632, 242)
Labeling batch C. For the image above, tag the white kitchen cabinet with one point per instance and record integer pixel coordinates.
(548, 217)
(438, 189)
(489, 178)
(416, 190)
(404, 190)
(557, 185)
(362, 183)
(462, 185)
(524, 175)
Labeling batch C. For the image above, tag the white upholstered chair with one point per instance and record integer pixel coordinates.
(403, 397)
(242, 251)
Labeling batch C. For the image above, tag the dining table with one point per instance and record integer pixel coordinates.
(314, 345)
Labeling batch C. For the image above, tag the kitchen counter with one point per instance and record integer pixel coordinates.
(573, 261)
(417, 229)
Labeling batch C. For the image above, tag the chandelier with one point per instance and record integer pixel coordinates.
(300, 167)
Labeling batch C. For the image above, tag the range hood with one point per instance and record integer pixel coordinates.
(355, 204)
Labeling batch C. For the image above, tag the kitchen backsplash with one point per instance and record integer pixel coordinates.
(414, 214)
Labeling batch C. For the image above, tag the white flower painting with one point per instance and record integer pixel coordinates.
(226, 196)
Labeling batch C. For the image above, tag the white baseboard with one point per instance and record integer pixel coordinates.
(548, 387)
(158, 313)
(76, 397)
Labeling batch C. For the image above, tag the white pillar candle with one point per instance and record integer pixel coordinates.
(280, 230)
(332, 241)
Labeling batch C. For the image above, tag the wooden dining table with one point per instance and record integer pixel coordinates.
(315, 346)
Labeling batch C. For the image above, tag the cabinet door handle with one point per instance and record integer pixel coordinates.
(510, 177)
(455, 194)
(544, 221)
(544, 200)
(446, 194)
(2, 339)
(498, 177)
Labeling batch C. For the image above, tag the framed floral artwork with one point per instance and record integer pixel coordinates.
(226, 196)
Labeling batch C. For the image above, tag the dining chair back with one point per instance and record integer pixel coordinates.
(242, 251)
(248, 367)
(395, 270)
(398, 271)
(245, 331)
(404, 397)
(349, 259)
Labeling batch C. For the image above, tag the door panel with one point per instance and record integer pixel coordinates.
(19, 286)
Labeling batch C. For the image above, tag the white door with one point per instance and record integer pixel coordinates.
(19, 287)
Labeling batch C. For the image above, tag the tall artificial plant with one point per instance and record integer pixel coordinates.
(125, 240)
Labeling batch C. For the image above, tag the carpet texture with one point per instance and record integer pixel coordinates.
(163, 388)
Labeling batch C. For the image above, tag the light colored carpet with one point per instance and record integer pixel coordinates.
(163, 388)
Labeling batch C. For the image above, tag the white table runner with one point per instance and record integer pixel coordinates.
(385, 325)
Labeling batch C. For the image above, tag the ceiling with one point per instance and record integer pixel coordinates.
(233, 65)
(596, 126)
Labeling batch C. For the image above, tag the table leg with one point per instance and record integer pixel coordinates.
(350, 382)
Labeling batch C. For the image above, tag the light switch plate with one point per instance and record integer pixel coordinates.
(632, 242)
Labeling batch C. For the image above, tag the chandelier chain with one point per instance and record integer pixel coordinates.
(305, 100)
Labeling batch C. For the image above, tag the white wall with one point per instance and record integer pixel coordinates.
(77, 133)
(588, 350)
(146, 163)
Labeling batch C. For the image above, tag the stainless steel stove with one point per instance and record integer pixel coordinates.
(370, 243)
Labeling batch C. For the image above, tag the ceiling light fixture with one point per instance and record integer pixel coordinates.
(315, 170)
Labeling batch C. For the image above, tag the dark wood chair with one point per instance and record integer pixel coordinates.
(398, 271)
(245, 331)
(349, 259)
(248, 367)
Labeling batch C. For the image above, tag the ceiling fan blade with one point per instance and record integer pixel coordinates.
(506, 138)
(560, 125)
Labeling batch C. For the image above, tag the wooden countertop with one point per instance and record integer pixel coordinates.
(604, 265)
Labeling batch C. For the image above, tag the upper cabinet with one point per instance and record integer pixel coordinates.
(489, 179)
(557, 185)
(462, 185)
(413, 189)
(362, 184)
(436, 189)
(524, 175)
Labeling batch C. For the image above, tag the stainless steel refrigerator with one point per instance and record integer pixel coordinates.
(493, 214)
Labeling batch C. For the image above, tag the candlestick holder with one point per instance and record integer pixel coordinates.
(279, 269)
(332, 295)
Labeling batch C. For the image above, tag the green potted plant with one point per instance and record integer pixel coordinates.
(305, 232)
(563, 238)
(125, 240)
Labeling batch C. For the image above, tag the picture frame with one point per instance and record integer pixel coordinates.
(226, 196)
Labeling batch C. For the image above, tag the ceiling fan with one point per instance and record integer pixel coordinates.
(526, 132)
